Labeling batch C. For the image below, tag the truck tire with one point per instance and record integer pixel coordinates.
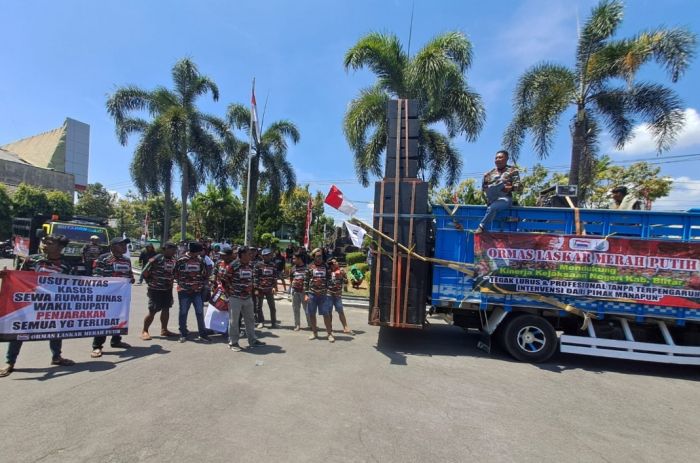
(530, 338)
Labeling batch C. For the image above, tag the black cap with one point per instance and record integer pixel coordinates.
(195, 247)
(169, 245)
(620, 189)
(119, 240)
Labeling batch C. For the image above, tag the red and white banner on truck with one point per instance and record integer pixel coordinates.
(37, 306)
(662, 273)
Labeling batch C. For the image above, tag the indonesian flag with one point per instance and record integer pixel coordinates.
(335, 199)
(307, 227)
(254, 116)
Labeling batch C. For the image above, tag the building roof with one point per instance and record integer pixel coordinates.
(46, 149)
(6, 155)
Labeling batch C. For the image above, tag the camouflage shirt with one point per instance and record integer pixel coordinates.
(109, 265)
(238, 280)
(219, 271)
(493, 179)
(338, 279)
(41, 263)
(265, 276)
(91, 252)
(191, 273)
(160, 272)
(296, 278)
(317, 279)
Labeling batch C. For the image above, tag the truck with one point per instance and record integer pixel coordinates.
(27, 234)
(606, 283)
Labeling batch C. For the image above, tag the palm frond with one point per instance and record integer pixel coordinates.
(442, 158)
(612, 105)
(601, 25)
(384, 56)
(661, 108)
(238, 116)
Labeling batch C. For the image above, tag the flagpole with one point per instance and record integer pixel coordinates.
(250, 157)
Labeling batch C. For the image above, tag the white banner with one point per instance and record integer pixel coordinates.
(36, 306)
(357, 234)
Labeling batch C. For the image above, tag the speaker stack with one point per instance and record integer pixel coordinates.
(400, 282)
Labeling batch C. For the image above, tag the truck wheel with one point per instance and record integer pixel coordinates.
(530, 338)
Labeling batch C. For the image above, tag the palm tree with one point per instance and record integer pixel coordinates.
(435, 77)
(177, 137)
(602, 89)
(278, 176)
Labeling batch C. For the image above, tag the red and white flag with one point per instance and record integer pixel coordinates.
(254, 115)
(307, 227)
(335, 199)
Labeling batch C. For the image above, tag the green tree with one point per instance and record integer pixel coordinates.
(435, 77)
(268, 216)
(29, 201)
(591, 87)
(270, 151)
(178, 137)
(293, 208)
(467, 192)
(60, 203)
(5, 213)
(534, 181)
(219, 212)
(95, 201)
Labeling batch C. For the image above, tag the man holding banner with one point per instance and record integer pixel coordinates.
(112, 264)
(52, 261)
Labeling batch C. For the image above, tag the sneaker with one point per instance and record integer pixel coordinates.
(259, 325)
(273, 325)
(203, 338)
(331, 338)
(235, 347)
(182, 339)
(312, 336)
(257, 343)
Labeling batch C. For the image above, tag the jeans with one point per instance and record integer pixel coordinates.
(270, 303)
(236, 307)
(15, 346)
(494, 208)
(320, 303)
(194, 299)
(297, 304)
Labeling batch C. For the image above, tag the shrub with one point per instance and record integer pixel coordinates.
(355, 258)
(363, 267)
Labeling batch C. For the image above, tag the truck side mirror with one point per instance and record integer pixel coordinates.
(40, 233)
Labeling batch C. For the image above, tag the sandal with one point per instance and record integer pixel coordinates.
(145, 336)
(168, 334)
(9, 368)
(96, 353)
(62, 362)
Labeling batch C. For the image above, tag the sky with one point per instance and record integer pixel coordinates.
(63, 59)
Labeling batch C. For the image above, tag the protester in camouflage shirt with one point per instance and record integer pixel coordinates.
(112, 264)
(238, 283)
(316, 284)
(191, 274)
(159, 273)
(50, 262)
(91, 252)
(498, 186)
(265, 283)
(335, 292)
(297, 274)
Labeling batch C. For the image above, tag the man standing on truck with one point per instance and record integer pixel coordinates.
(498, 186)
(316, 283)
(623, 200)
(91, 252)
(112, 264)
(51, 261)
(159, 274)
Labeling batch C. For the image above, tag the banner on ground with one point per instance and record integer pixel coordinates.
(37, 306)
(652, 272)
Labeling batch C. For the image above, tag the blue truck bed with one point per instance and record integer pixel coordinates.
(454, 290)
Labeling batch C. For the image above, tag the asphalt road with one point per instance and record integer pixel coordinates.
(380, 395)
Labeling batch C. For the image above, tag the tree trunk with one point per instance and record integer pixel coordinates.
(252, 199)
(184, 194)
(166, 213)
(577, 148)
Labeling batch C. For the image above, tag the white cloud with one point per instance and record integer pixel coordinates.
(685, 194)
(643, 143)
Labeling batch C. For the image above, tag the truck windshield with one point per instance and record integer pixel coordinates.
(82, 233)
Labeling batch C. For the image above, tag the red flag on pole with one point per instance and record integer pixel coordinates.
(307, 228)
(335, 199)
(254, 115)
